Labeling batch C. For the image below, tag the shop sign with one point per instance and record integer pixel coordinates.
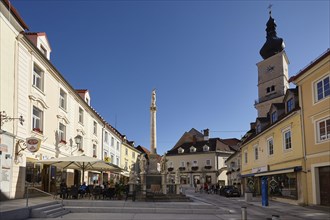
(259, 169)
(33, 144)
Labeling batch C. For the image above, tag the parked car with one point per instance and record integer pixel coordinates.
(229, 191)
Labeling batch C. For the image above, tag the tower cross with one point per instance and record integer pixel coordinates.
(270, 8)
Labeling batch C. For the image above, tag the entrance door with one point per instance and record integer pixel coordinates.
(324, 175)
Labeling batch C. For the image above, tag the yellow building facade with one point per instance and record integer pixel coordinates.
(314, 93)
(274, 151)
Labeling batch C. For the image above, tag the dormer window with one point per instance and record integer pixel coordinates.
(290, 105)
(206, 148)
(192, 149)
(180, 150)
(274, 116)
(258, 128)
(43, 50)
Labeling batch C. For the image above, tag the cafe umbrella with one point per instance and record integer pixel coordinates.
(82, 163)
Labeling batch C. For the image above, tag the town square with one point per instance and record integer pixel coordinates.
(164, 109)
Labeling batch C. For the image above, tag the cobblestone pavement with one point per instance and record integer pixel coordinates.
(204, 207)
(255, 210)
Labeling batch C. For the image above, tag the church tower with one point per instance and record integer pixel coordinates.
(272, 71)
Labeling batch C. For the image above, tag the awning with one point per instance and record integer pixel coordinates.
(287, 170)
(274, 172)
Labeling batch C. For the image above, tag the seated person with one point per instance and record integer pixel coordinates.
(82, 189)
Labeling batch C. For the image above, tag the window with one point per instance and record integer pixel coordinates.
(62, 132)
(256, 153)
(322, 88)
(274, 116)
(37, 118)
(194, 163)
(287, 139)
(270, 146)
(258, 128)
(323, 130)
(112, 141)
(208, 162)
(94, 150)
(117, 145)
(117, 160)
(81, 115)
(170, 164)
(192, 149)
(126, 151)
(270, 89)
(38, 76)
(180, 150)
(126, 165)
(206, 148)
(182, 164)
(63, 98)
(133, 154)
(105, 153)
(290, 105)
(106, 137)
(112, 159)
(245, 157)
(43, 50)
(95, 128)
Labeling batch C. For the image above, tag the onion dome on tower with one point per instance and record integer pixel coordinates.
(273, 44)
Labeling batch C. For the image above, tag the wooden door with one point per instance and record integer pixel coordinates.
(324, 175)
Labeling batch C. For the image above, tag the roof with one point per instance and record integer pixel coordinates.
(17, 16)
(309, 66)
(212, 143)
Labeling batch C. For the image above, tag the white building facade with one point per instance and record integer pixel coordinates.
(53, 112)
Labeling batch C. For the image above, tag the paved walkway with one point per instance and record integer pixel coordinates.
(204, 206)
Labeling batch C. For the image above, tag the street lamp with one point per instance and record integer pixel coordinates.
(77, 140)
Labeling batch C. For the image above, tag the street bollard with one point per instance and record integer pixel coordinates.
(244, 216)
(275, 217)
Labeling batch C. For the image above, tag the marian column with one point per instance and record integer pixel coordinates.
(153, 136)
(153, 109)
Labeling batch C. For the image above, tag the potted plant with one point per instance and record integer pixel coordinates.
(37, 130)
(208, 167)
(170, 169)
(182, 168)
(194, 168)
(63, 141)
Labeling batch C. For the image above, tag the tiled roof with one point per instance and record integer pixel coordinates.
(16, 14)
(211, 143)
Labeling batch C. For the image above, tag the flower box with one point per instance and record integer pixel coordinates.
(170, 169)
(63, 141)
(81, 150)
(37, 130)
(182, 168)
(208, 167)
(194, 168)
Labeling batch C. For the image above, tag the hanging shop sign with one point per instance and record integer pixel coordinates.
(33, 144)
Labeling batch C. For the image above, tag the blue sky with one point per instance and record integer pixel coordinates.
(200, 56)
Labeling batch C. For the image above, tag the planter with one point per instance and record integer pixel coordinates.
(194, 168)
(170, 169)
(208, 167)
(62, 142)
(81, 150)
(37, 130)
(182, 168)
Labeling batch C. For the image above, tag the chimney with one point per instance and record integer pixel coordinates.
(252, 125)
(206, 134)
